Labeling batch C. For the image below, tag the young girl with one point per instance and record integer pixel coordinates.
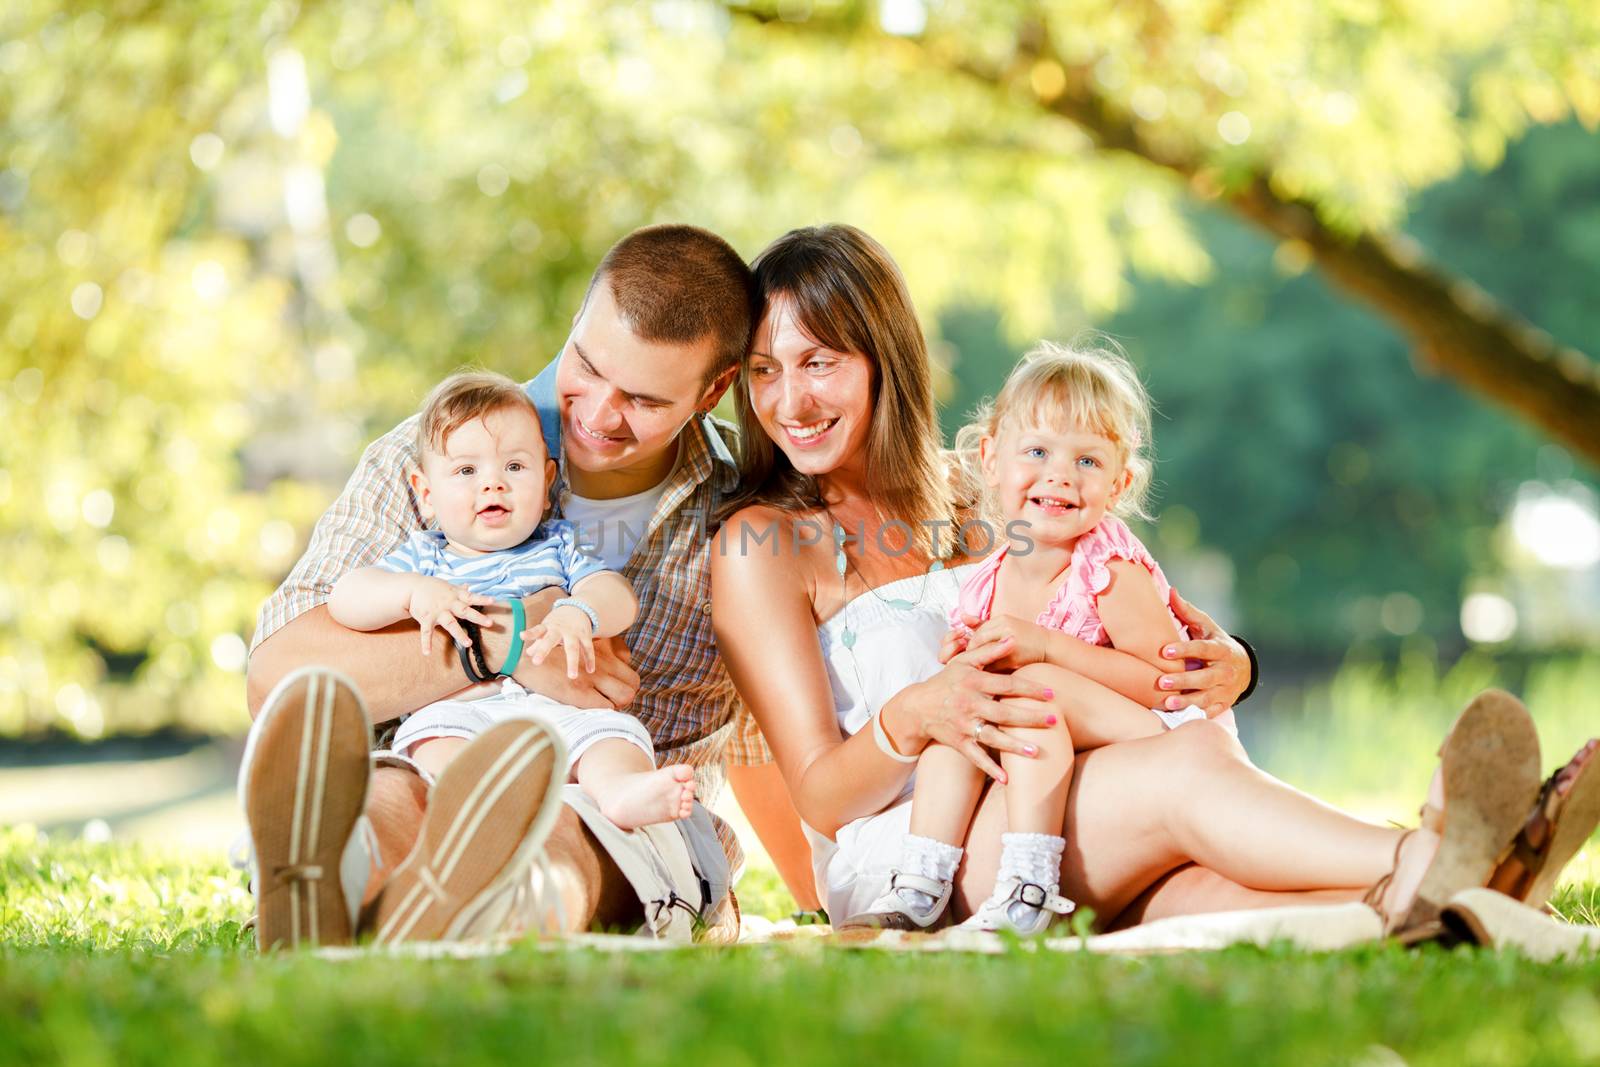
(1058, 456)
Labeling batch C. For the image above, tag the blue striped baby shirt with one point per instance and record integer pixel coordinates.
(550, 557)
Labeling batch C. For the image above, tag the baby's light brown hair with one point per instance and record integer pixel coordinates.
(459, 399)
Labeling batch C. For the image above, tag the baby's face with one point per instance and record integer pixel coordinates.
(1060, 482)
(487, 487)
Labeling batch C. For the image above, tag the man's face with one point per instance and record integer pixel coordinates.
(623, 399)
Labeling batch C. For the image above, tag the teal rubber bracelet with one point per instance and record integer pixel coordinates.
(519, 622)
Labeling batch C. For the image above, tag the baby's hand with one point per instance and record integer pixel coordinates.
(436, 604)
(569, 627)
(1028, 639)
(953, 644)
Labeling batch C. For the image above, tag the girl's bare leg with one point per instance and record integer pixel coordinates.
(1095, 715)
(1138, 810)
(945, 794)
(1036, 786)
(628, 787)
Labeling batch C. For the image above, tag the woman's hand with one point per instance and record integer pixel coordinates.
(1028, 640)
(965, 706)
(1224, 670)
(436, 604)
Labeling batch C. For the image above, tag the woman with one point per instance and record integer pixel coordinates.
(837, 561)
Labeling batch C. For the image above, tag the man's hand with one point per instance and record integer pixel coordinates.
(1224, 666)
(436, 604)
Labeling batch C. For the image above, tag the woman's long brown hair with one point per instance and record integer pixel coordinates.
(848, 295)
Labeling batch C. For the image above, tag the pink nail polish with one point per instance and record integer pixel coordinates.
(1166, 683)
(1050, 720)
(1169, 652)
(1049, 694)
(1031, 750)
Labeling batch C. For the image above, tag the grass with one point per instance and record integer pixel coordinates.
(119, 954)
(129, 955)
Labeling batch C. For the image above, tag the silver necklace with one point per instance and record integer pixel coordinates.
(842, 564)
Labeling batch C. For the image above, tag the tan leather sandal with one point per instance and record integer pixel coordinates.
(1489, 763)
(1563, 818)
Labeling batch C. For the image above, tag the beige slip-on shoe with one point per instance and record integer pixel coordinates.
(303, 787)
(1495, 920)
(488, 816)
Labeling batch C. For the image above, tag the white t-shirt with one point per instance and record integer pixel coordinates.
(612, 529)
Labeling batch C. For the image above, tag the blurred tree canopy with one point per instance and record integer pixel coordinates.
(236, 239)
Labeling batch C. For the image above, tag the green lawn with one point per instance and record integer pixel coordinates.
(122, 955)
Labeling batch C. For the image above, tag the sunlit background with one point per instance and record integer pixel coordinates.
(238, 240)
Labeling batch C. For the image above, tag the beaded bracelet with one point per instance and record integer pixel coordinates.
(574, 602)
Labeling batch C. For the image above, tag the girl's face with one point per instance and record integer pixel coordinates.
(1059, 482)
(815, 403)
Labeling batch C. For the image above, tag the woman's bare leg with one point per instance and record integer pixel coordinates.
(764, 799)
(1141, 809)
(1192, 890)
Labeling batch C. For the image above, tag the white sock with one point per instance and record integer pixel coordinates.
(1032, 858)
(929, 858)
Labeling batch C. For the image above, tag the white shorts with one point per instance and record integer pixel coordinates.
(580, 727)
(1194, 713)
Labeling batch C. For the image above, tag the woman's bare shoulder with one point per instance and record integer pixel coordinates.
(761, 543)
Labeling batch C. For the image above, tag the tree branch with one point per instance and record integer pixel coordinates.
(1455, 325)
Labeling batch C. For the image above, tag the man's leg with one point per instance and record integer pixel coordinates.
(592, 889)
(397, 798)
(593, 892)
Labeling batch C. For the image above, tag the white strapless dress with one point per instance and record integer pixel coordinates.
(877, 644)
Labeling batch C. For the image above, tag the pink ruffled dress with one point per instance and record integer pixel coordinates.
(1073, 609)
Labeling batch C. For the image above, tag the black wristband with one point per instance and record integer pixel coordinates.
(1255, 670)
(471, 653)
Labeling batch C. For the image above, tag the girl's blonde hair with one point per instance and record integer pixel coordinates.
(1089, 384)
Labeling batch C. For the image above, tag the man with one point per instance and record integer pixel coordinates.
(659, 338)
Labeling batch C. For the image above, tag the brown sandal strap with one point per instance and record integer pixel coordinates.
(1373, 897)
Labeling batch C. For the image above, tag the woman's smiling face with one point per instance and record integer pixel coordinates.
(813, 402)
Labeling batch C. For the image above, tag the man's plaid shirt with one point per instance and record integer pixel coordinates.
(685, 698)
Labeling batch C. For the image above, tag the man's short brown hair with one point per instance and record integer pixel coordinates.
(679, 284)
(462, 397)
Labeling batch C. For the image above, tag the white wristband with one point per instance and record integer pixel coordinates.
(881, 736)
